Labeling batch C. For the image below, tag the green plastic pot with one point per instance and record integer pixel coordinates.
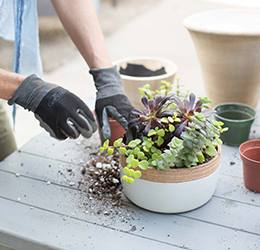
(238, 118)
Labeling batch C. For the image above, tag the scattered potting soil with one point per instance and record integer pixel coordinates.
(101, 186)
(140, 71)
(103, 175)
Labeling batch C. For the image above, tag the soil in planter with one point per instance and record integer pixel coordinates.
(139, 70)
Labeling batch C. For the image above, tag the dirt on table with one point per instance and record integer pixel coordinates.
(102, 173)
(101, 188)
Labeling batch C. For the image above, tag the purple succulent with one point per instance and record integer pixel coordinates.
(187, 109)
(158, 107)
(150, 117)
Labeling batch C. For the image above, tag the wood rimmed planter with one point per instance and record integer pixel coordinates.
(174, 191)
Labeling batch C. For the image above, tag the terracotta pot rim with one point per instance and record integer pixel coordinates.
(241, 150)
(109, 118)
(148, 78)
(234, 120)
(178, 175)
(191, 25)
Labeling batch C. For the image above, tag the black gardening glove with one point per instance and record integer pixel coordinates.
(111, 100)
(59, 111)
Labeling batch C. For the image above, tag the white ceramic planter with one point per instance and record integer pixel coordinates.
(131, 84)
(176, 190)
(227, 43)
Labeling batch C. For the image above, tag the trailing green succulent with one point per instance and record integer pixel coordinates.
(171, 132)
(165, 89)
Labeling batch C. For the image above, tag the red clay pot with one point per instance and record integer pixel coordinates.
(116, 130)
(250, 155)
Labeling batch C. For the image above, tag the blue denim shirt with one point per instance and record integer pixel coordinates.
(19, 24)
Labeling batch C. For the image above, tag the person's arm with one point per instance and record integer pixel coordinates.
(80, 21)
(49, 103)
(9, 82)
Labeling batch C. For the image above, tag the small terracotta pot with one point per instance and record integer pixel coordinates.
(174, 191)
(116, 130)
(250, 155)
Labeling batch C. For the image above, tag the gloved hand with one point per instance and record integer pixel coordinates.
(111, 100)
(59, 111)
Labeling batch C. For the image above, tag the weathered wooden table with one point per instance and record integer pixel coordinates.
(41, 208)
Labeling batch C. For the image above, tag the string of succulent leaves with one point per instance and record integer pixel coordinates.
(173, 131)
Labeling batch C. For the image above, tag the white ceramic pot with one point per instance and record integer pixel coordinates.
(227, 43)
(131, 84)
(174, 191)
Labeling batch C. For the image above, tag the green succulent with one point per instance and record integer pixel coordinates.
(172, 131)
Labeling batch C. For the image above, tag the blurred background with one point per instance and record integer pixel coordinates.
(128, 30)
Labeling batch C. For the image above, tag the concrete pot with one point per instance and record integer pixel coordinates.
(250, 155)
(227, 43)
(174, 191)
(131, 84)
(238, 118)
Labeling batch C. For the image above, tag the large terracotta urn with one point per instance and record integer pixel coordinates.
(227, 42)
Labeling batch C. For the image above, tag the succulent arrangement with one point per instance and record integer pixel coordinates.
(173, 130)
